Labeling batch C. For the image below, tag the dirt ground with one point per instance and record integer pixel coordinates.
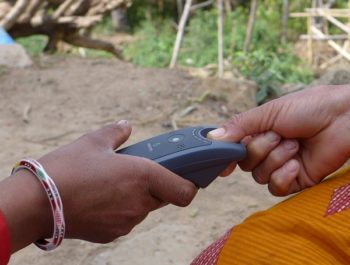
(59, 98)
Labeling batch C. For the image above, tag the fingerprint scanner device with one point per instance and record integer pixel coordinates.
(189, 153)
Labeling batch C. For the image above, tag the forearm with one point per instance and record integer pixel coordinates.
(26, 208)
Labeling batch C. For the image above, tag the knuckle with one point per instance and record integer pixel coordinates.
(245, 166)
(275, 158)
(140, 170)
(259, 177)
(236, 119)
(258, 149)
(235, 122)
(277, 189)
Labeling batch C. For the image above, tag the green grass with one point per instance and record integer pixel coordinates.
(34, 45)
(153, 45)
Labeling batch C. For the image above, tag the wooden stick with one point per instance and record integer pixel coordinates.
(180, 8)
(62, 9)
(325, 37)
(87, 42)
(285, 17)
(180, 33)
(310, 40)
(349, 20)
(315, 13)
(337, 23)
(334, 59)
(220, 7)
(202, 5)
(80, 22)
(10, 19)
(228, 6)
(251, 23)
(333, 44)
(30, 11)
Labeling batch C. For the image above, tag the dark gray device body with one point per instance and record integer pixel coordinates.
(189, 153)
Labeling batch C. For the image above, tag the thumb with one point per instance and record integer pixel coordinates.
(169, 187)
(254, 121)
(113, 135)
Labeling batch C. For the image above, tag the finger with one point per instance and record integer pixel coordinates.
(257, 120)
(246, 140)
(283, 180)
(258, 149)
(169, 187)
(112, 135)
(228, 170)
(280, 155)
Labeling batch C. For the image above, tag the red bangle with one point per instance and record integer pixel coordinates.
(5, 242)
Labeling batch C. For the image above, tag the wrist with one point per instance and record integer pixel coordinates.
(25, 205)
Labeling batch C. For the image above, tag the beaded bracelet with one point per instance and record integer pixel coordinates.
(55, 201)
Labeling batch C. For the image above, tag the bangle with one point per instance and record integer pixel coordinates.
(55, 201)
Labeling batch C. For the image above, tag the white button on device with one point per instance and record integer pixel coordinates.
(176, 138)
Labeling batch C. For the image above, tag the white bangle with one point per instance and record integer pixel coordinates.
(55, 201)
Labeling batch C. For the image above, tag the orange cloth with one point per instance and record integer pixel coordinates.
(312, 227)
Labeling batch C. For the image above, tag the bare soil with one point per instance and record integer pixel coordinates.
(60, 98)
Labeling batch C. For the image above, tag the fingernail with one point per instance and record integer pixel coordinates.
(272, 136)
(290, 145)
(217, 133)
(122, 122)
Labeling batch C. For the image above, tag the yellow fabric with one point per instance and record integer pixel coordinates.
(296, 231)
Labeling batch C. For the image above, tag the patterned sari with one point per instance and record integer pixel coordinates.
(313, 227)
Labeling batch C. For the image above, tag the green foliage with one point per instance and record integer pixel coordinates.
(200, 45)
(154, 45)
(270, 63)
(34, 45)
(270, 70)
(142, 10)
(105, 27)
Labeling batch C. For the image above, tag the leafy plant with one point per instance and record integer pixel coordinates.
(34, 45)
(153, 46)
(270, 63)
(270, 70)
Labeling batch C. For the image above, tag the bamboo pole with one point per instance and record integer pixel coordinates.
(333, 44)
(285, 17)
(325, 37)
(345, 13)
(349, 20)
(220, 7)
(201, 5)
(180, 8)
(228, 6)
(310, 39)
(334, 59)
(180, 32)
(251, 23)
(336, 22)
